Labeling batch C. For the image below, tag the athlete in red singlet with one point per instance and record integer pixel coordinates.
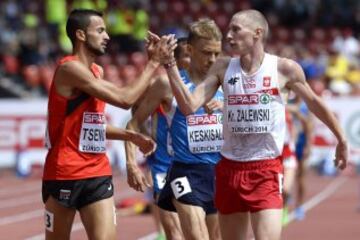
(72, 125)
(77, 173)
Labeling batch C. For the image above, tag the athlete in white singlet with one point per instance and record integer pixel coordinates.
(255, 84)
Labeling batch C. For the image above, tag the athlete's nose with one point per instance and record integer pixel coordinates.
(107, 38)
(229, 36)
(212, 58)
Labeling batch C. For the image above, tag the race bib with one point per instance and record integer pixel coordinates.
(160, 180)
(249, 113)
(204, 133)
(180, 186)
(93, 133)
(49, 221)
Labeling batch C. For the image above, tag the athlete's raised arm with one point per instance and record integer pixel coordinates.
(190, 102)
(76, 75)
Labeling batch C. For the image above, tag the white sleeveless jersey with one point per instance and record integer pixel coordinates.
(254, 112)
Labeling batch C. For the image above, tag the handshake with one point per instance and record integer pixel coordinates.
(161, 49)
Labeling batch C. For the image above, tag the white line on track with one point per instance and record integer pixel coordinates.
(308, 205)
(321, 196)
(21, 217)
(19, 201)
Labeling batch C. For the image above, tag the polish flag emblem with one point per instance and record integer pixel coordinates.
(266, 81)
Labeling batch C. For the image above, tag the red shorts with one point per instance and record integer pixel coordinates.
(248, 186)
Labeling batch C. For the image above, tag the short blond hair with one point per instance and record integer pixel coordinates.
(256, 20)
(204, 28)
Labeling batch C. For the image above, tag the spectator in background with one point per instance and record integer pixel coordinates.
(353, 77)
(140, 26)
(120, 21)
(55, 16)
(338, 67)
(83, 4)
(348, 46)
(12, 14)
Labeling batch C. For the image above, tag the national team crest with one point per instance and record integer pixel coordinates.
(266, 81)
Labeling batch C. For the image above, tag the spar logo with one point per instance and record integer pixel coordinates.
(94, 118)
(265, 98)
(353, 129)
(243, 99)
(206, 119)
(22, 132)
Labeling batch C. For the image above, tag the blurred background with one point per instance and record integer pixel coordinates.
(323, 36)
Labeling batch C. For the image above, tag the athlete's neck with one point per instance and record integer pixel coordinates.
(251, 62)
(195, 76)
(84, 56)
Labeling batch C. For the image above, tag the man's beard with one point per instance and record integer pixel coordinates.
(92, 49)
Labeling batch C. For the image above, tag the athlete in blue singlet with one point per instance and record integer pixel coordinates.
(196, 141)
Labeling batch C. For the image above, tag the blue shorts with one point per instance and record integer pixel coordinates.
(192, 184)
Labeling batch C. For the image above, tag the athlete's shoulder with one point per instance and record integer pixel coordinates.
(223, 61)
(100, 69)
(71, 67)
(288, 66)
(218, 69)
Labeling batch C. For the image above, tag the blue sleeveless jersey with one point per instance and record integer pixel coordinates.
(196, 128)
(161, 159)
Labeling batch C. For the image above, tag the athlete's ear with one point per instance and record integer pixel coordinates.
(258, 33)
(187, 49)
(80, 34)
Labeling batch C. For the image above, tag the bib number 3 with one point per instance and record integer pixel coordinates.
(180, 186)
(49, 221)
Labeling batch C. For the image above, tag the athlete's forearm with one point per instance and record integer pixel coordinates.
(184, 98)
(133, 91)
(327, 117)
(130, 147)
(114, 133)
